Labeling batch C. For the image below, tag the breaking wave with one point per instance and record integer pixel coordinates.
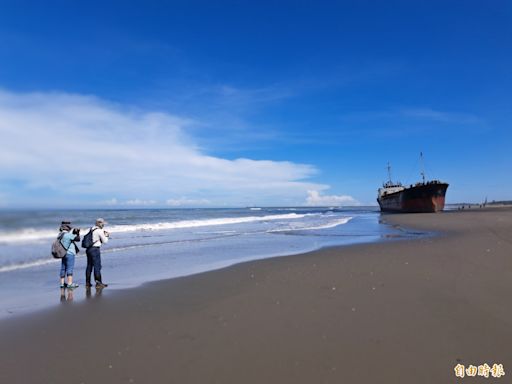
(331, 224)
(31, 234)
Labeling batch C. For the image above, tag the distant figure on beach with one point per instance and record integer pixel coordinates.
(99, 237)
(68, 262)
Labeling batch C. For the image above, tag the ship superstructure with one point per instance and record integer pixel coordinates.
(424, 196)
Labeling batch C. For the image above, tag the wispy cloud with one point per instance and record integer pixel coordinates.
(405, 121)
(140, 202)
(253, 96)
(185, 202)
(440, 116)
(413, 113)
(232, 108)
(88, 148)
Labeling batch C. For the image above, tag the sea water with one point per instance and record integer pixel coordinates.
(153, 244)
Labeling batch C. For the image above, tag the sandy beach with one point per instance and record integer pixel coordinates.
(398, 312)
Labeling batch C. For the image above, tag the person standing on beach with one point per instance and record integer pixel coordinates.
(99, 237)
(68, 262)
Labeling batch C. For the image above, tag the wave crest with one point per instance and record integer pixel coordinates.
(31, 234)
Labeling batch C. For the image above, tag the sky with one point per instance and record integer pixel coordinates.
(243, 103)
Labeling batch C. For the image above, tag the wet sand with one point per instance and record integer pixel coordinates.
(397, 312)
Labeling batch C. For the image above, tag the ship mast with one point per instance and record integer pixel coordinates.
(422, 167)
(389, 173)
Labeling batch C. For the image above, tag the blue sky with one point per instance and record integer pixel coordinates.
(251, 103)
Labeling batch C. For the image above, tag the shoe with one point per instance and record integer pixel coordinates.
(72, 286)
(62, 286)
(99, 284)
(88, 285)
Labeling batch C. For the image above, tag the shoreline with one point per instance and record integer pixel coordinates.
(379, 312)
(126, 273)
(115, 287)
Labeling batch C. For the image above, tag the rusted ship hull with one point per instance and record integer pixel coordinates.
(416, 199)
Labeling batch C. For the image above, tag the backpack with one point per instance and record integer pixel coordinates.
(87, 241)
(58, 250)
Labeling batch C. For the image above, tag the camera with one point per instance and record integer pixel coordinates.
(76, 231)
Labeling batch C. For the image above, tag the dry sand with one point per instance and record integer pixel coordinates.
(396, 312)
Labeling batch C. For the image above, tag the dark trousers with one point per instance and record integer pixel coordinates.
(93, 262)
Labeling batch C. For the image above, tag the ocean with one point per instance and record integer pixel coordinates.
(153, 244)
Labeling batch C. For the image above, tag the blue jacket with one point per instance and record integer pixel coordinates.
(67, 242)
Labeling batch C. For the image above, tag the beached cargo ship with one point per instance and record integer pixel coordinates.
(425, 196)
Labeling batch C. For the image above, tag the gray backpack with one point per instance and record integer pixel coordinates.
(58, 250)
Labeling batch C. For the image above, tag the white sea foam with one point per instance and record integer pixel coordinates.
(205, 222)
(32, 264)
(215, 232)
(30, 234)
(330, 224)
(280, 223)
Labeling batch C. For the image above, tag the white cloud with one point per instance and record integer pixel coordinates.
(184, 202)
(316, 199)
(140, 202)
(90, 149)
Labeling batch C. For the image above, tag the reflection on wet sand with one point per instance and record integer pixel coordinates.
(97, 292)
(66, 295)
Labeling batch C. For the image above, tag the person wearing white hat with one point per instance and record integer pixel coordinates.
(99, 237)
